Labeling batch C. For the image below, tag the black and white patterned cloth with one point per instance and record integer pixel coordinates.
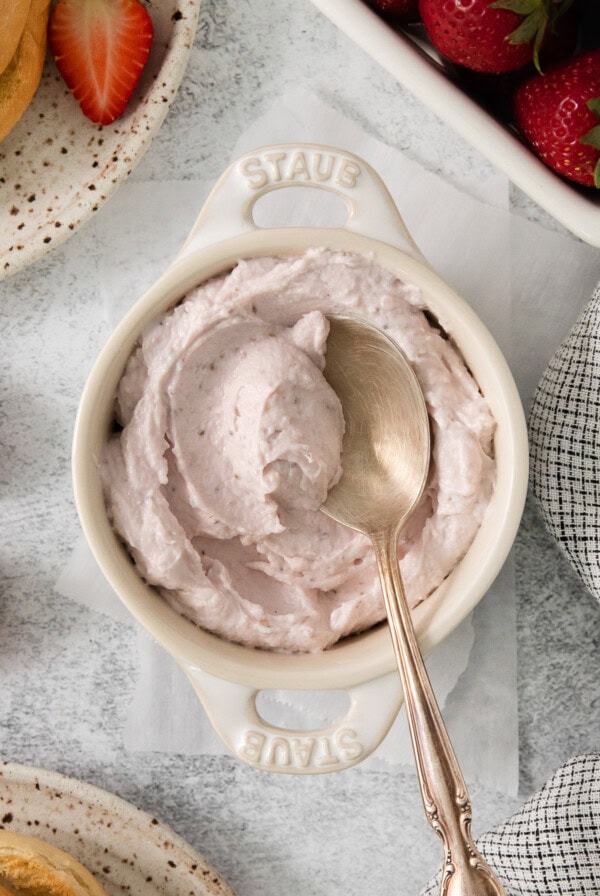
(564, 433)
(551, 846)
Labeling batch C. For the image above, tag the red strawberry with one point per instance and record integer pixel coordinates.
(495, 90)
(558, 113)
(488, 36)
(100, 47)
(397, 10)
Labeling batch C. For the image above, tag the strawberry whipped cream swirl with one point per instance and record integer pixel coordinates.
(229, 438)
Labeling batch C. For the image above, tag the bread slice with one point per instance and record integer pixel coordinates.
(21, 77)
(13, 15)
(31, 867)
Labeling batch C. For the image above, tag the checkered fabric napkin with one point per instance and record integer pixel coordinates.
(551, 846)
(564, 430)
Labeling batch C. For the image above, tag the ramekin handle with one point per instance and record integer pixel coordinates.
(232, 711)
(228, 210)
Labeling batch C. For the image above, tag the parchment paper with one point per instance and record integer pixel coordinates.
(491, 258)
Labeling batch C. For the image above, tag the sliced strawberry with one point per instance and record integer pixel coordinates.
(100, 48)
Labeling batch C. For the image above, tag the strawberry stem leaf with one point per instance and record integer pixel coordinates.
(592, 138)
(538, 16)
(597, 174)
(594, 105)
(522, 7)
(532, 26)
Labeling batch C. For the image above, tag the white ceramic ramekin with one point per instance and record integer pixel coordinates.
(229, 677)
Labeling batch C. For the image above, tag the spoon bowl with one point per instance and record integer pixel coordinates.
(386, 442)
(385, 462)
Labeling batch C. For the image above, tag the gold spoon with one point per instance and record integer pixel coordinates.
(385, 460)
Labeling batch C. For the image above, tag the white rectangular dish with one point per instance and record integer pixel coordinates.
(419, 72)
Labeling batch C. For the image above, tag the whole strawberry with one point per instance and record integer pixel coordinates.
(558, 113)
(100, 48)
(400, 11)
(487, 36)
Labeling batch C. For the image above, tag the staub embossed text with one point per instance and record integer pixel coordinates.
(300, 166)
(320, 752)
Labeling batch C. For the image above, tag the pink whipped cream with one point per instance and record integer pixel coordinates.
(231, 438)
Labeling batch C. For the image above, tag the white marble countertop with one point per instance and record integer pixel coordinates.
(67, 673)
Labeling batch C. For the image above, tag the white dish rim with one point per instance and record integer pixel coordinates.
(413, 68)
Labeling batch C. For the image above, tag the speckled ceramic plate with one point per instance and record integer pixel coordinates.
(57, 168)
(127, 850)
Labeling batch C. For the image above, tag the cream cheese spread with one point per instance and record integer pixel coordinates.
(229, 437)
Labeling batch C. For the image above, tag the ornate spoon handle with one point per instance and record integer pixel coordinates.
(445, 797)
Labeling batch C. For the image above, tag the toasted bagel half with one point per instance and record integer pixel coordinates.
(20, 78)
(13, 15)
(32, 867)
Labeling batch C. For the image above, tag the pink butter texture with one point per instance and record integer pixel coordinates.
(229, 438)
